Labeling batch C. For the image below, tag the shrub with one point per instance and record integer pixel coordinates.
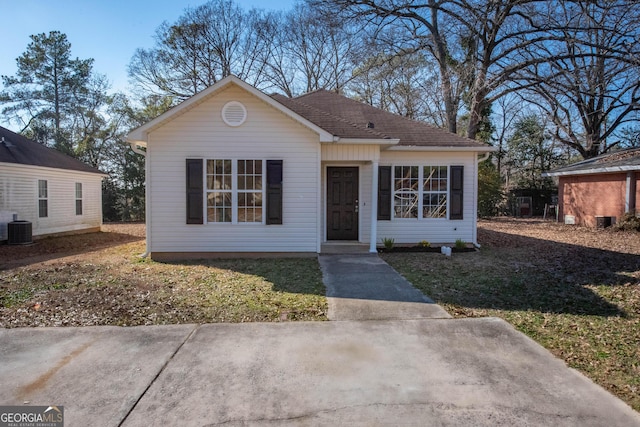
(629, 222)
(388, 242)
(460, 244)
(424, 244)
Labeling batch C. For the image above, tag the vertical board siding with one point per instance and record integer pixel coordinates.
(350, 152)
(267, 134)
(412, 231)
(19, 194)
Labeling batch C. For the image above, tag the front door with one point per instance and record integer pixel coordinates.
(342, 203)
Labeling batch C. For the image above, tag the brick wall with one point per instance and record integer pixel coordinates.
(588, 196)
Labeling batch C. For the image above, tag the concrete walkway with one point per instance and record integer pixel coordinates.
(364, 287)
(478, 372)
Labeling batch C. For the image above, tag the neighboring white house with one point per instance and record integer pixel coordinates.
(233, 170)
(55, 192)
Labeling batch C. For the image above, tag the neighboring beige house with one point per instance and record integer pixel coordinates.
(233, 170)
(598, 191)
(55, 192)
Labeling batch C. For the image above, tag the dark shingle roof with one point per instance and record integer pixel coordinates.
(19, 149)
(619, 161)
(348, 118)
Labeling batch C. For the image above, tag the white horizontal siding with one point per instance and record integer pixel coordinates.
(434, 230)
(19, 194)
(201, 133)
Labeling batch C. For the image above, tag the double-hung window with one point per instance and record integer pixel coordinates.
(78, 198)
(43, 198)
(406, 191)
(235, 191)
(420, 191)
(434, 192)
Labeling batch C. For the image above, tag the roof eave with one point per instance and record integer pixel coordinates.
(615, 169)
(368, 141)
(478, 149)
(57, 169)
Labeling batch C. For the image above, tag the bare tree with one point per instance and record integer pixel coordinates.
(590, 85)
(204, 45)
(311, 51)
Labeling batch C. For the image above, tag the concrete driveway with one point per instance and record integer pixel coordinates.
(439, 372)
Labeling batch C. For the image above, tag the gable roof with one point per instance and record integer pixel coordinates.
(335, 118)
(618, 161)
(348, 118)
(15, 148)
(139, 136)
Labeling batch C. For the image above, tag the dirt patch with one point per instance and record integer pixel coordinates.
(48, 248)
(100, 279)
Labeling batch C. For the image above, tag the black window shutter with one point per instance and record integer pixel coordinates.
(384, 193)
(195, 191)
(274, 192)
(456, 192)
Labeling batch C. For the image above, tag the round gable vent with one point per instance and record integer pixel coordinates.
(234, 114)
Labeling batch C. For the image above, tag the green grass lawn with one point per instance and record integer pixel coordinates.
(581, 303)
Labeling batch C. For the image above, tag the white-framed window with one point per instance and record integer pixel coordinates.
(234, 191)
(420, 192)
(43, 198)
(406, 188)
(434, 191)
(78, 198)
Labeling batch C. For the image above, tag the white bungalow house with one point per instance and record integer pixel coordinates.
(233, 170)
(55, 192)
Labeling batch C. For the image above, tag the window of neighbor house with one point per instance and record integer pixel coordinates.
(78, 198)
(234, 191)
(43, 199)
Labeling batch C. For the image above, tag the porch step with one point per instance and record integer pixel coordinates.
(336, 248)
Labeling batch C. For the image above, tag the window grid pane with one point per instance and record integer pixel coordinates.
(43, 208)
(219, 206)
(42, 189)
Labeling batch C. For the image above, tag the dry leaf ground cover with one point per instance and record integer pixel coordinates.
(574, 290)
(99, 279)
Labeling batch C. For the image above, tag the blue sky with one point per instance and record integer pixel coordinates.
(108, 31)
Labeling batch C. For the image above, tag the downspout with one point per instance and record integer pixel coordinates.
(135, 149)
(481, 159)
(630, 196)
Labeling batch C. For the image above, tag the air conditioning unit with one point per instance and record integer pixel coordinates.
(19, 233)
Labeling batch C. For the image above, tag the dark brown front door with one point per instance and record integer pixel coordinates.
(342, 203)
